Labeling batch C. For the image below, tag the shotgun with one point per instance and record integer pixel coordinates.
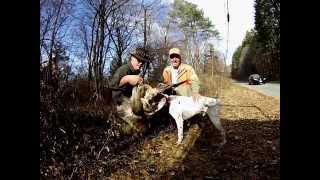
(162, 90)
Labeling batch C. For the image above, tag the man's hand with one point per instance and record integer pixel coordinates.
(131, 79)
(195, 96)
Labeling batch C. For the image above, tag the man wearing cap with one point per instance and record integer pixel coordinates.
(178, 72)
(127, 76)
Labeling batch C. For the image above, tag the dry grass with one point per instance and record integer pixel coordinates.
(252, 151)
(213, 85)
(239, 102)
(158, 155)
(242, 103)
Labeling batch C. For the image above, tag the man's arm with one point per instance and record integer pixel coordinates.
(195, 82)
(195, 85)
(166, 76)
(130, 79)
(117, 77)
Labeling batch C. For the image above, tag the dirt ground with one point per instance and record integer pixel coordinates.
(252, 150)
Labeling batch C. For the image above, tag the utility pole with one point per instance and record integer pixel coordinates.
(145, 29)
(145, 41)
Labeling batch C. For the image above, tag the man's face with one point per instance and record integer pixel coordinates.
(175, 60)
(136, 64)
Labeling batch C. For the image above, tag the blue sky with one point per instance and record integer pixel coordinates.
(241, 20)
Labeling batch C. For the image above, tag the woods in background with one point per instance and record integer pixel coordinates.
(92, 38)
(260, 49)
(82, 43)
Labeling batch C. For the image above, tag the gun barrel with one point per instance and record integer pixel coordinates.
(172, 86)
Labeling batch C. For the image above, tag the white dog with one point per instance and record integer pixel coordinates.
(180, 107)
(183, 108)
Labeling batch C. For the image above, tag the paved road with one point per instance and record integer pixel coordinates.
(269, 89)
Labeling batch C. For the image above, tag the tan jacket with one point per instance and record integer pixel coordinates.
(185, 72)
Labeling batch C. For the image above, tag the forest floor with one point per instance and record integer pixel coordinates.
(252, 151)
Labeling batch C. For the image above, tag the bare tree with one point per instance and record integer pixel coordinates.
(150, 14)
(196, 30)
(122, 25)
(97, 37)
(54, 16)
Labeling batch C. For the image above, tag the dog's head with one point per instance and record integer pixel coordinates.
(153, 101)
(146, 100)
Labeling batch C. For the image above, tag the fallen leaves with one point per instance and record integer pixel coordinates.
(252, 151)
(252, 126)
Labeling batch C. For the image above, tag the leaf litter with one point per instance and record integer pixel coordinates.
(252, 150)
